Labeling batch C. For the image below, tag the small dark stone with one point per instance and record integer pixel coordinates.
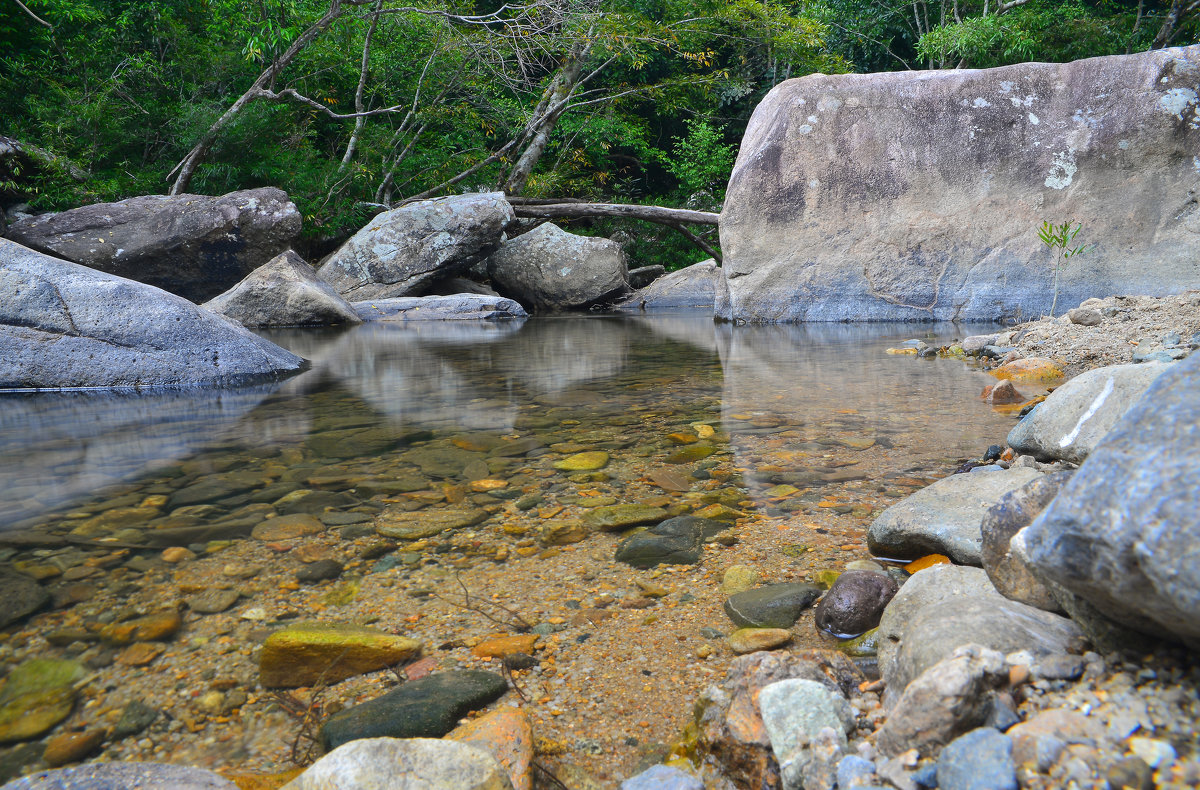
(426, 708)
(22, 596)
(1001, 717)
(926, 776)
(993, 453)
(1060, 666)
(135, 717)
(356, 531)
(676, 541)
(520, 661)
(855, 602)
(319, 571)
(771, 606)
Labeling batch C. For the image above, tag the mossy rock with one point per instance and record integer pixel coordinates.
(615, 518)
(36, 696)
(583, 462)
(309, 653)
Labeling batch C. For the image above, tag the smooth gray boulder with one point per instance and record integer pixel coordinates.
(408, 249)
(122, 776)
(194, 246)
(65, 326)
(1124, 533)
(404, 764)
(692, 286)
(550, 270)
(1077, 415)
(944, 517)
(284, 291)
(440, 308)
(917, 195)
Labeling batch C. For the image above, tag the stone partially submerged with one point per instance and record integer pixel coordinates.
(692, 286)
(195, 246)
(404, 251)
(65, 326)
(917, 195)
(285, 291)
(453, 307)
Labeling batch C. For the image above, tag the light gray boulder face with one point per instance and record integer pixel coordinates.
(918, 195)
(945, 517)
(461, 306)
(1124, 533)
(111, 776)
(1077, 415)
(285, 291)
(549, 270)
(404, 764)
(406, 250)
(194, 246)
(692, 286)
(65, 326)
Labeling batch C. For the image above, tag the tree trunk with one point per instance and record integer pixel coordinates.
(187, 167)
(550, 109)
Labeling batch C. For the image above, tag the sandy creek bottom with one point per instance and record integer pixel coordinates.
(801, 434)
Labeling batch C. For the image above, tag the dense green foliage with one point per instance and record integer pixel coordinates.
(115, 94)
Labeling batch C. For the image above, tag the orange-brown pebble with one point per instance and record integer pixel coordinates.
(71, 747)
(1031, 369)
(1008, 454)
(928, 561)
(507, 735)
(483, 486)
(1018, 674)
(151, 628)
(500, 645)
(140, 654)
(263, 781)
(176, 554)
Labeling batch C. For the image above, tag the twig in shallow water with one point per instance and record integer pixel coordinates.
(514, 620)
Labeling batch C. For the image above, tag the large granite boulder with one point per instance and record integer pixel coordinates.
(917, 195)
(285, 291)
(1077, 415)
(1124, 533)
(63, 325)
(404, 764)
(691, 286)
(407, 250)
(195, 246)
(549, 270)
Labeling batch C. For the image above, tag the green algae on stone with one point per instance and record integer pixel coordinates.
(37, 695)
(615, 518)
(417, 524)
(306, 653)
(825, 577)
(583, 462)
(693, 452)
(862, 646)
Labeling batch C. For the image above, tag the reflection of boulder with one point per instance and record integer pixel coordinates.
(556, 354)
(57, 448)
(693, 328)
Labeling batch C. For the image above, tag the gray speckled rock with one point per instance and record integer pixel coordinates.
(284, 291)
(549, 270)
(63, 325)
(949, 698)
(691, 286)
(1077, 415)
(662, 777)
(1124, 533)
(916, 195)
(123, 776)
(980, 760)
(794, 711)
(440, 308)
(944, 517)
(403, 251)
(772, 605)
(195, 246)
(404, 764)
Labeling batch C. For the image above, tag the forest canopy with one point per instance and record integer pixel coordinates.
(356, 105)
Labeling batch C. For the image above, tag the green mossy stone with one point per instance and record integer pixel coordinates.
(583, 462)
(307, 653)
(862, 646)
(37, 695)
(615, 518)
(417, 524)
(693, 452)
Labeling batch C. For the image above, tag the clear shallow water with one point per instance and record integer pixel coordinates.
(807, 406)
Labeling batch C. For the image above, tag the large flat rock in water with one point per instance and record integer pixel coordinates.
(195, 246)
(66, 326)
(917, 195)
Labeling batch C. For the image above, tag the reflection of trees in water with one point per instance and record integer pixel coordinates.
(58, 447)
